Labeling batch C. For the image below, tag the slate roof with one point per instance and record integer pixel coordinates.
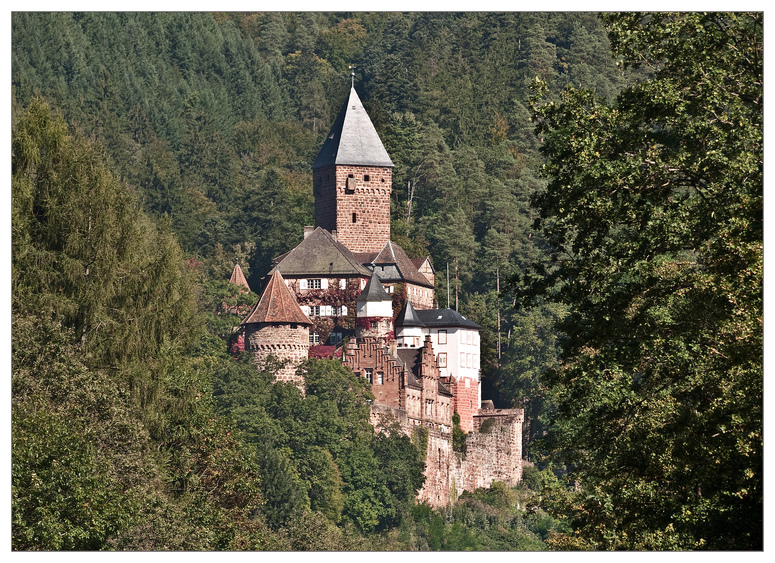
(410, 357)
(320, 255)
(405, 270)
(408, 316)
(373, 291)
(353, 139)
(444, 317)
(238, 277)
(277, 305)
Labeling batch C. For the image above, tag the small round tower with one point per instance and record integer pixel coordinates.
(278, 327)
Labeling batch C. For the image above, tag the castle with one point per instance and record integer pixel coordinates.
(348, 291)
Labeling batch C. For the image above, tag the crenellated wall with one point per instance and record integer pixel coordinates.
(286, 342)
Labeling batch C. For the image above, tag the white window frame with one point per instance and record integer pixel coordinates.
(442, 336)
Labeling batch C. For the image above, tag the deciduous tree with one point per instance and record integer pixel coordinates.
(654, 211)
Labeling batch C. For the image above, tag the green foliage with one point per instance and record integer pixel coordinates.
(495, 519)
(202, 129)
(116, 444)
(654, 213)
(458, 434)
(320, 451)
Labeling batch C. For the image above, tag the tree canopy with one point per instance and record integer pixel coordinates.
(153, 151)
(654, 213)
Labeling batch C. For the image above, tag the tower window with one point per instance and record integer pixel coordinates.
(355, 217)
(365, 177)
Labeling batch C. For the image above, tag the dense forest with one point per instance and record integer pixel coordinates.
(590, 192)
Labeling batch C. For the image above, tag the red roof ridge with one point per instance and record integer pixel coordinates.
(277, 305)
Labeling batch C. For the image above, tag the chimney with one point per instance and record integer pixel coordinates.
(308, 230)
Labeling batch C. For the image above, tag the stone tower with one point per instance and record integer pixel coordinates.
(374, 315)
(277, 327)
(351, 180)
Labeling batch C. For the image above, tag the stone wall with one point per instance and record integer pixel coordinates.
(286, 342)
(494, 455)
(354, 201)
(465, 401)
(419, 296)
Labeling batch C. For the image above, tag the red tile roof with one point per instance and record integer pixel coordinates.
(238, 277)
(277, 305)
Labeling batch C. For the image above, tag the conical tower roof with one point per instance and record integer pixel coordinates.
(353, 139)
(277, 305)
(408, 316)
(373, 291)
(238, 277)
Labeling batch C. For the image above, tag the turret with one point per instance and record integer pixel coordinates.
(278, 327)
(374, 316)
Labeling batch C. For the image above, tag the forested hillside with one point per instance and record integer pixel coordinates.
(152, 151)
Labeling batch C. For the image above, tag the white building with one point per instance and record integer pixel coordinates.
(455, 340)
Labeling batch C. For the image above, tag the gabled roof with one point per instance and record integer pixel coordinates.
(238, 277)
(373, 291)
(408, 316)
(444, 317)
(277, 305)
(411, 358)
(391, 254)
(353, 139)
(320, 255)
(420, 262)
